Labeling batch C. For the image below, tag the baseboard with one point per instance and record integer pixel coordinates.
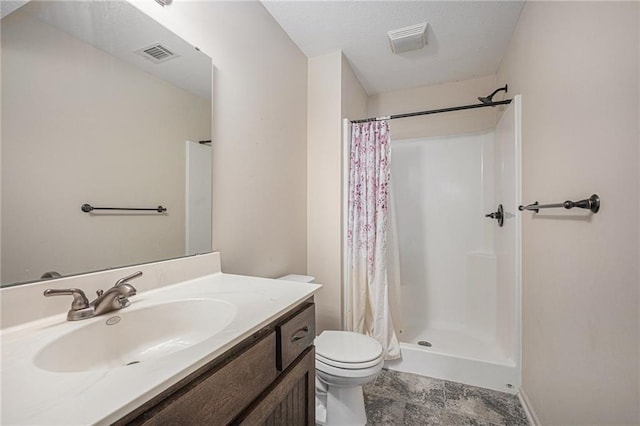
(528, 408)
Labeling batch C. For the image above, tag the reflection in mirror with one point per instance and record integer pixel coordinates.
(100, 105)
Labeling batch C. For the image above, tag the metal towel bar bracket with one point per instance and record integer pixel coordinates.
(88, 208)
(592, 203)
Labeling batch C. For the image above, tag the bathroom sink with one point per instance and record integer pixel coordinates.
(131, 336)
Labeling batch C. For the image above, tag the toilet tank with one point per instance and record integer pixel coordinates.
(299, 278)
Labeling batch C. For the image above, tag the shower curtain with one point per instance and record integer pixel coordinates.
(368, 306)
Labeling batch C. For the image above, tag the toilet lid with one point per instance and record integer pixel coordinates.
(346, 347)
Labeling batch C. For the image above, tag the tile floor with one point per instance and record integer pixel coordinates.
(396, 398)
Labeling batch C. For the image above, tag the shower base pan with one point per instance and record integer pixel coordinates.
(458, 357)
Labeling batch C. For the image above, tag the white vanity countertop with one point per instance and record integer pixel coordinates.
(31, 395)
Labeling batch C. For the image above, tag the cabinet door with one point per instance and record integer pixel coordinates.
(217, 396)
(291, 399)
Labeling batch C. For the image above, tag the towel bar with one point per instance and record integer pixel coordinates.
(592, 203)
(88, 207)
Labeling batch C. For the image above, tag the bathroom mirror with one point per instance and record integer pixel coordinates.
(101, 105)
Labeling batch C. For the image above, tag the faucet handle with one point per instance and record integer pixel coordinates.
(127, 278)
(80, 301)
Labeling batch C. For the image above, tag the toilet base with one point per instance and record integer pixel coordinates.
(344, 406)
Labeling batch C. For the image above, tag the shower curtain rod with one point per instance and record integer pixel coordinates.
(434, 111)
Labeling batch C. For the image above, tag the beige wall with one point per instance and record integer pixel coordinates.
(80, 126)
(437, 96)
(324, 221)
(354, 97)
(576, 65)
(259, 132)
(354, 106)
(334, 93)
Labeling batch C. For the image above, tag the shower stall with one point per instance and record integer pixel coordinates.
(456, 308)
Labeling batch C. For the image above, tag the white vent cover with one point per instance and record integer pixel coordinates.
(408, 38)
(156, 53)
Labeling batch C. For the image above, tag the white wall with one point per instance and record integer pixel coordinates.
(80, 126)
(576, 65)
(259, 132)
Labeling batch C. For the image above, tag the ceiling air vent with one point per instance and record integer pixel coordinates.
(156, 53)
(408, 38)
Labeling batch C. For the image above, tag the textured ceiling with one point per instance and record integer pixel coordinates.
(465, 39)
(119, 28)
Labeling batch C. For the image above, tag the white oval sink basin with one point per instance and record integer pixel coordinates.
(130, 336)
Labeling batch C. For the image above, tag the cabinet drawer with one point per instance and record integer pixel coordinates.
(294, 335)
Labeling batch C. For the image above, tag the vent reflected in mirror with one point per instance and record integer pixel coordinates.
(86, 119)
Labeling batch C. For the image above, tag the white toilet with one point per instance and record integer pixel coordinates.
(345, 361)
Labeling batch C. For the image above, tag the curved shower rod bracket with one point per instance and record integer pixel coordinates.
(592, 203)
(489, 99)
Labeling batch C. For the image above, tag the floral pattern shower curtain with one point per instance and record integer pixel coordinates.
(368, 309)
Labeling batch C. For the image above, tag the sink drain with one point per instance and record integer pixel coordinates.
(132, 362)
(113, 320)
(424, 343)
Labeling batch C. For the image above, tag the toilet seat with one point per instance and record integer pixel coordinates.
(346, 348)
(354, 373)
(347, 354)
(348, 365)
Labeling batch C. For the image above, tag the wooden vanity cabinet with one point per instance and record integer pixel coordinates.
(267, 379)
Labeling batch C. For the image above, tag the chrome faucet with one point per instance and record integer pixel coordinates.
(107, 301)
(116, 297)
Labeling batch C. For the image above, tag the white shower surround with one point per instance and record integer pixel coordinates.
(461, 273)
